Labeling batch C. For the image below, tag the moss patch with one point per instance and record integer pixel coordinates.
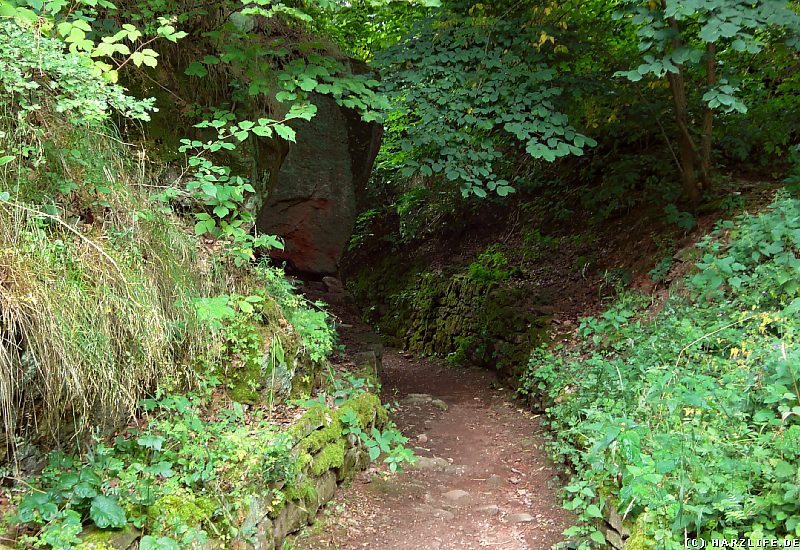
(304, 491)
(638, 540)
(108, 539)
(368, 408)
(330, 457)
(470, 321)
(182, 508)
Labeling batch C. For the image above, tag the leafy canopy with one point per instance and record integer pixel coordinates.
(672, 34)
(467, 87)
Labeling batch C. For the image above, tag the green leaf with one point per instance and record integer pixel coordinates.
(598, 537)
(84, 490)
(8, 10)
(204, 226)
(37, 505)
(263, 131)
(196, 69)
(308, 84)
(162, 469)
(149, 542)
(374, 452)
(593, 511)
(106, 512)
(285, 96)
(153, 442)
(784, 470)
(209, 189)
(633, 76)
(285, 132)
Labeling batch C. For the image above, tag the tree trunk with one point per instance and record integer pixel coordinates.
(689, 155)
(686, 145)
(708, 119)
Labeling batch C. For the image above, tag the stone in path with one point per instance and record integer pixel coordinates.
(520, 518)
(456, 496)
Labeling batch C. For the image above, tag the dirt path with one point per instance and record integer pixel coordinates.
(482, 479)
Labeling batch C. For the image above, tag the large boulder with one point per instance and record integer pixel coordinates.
(312, 200)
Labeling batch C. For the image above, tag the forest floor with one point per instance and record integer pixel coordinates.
(482, 477)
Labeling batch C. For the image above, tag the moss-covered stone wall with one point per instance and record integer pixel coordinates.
(325, 457)
(469, 321)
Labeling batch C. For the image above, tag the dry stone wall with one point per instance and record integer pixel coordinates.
(325, 458)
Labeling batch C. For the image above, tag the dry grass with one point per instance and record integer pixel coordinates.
(94, 314)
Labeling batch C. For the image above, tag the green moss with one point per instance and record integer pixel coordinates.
(368, 407)
(94, 546)
(330, 432)
(330, 457)
(475, 316)
(384, 283)
(183, 508)
(244, 383)
(303, 460)
(638, 540)
(303, 383)
(325, 447)
(304, 491)
(107, 539)
(314, 416)
(314, 442)
(490, 267)
(244, 342)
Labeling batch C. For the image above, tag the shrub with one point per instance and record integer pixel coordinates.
(689, 424)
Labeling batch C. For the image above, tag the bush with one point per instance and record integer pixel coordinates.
(174, 476)
(689, 424)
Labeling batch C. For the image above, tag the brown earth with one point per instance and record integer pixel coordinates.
(482, 478)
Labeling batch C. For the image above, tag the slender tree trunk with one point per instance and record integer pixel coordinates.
(689, 155)
(708, 119)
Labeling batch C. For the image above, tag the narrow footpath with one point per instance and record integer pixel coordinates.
(482, 477)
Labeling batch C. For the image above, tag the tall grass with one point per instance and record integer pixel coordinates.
(95, 294)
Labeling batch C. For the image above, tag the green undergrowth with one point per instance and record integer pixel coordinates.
(182, 474)
(188, 471)
(104, 297)
(106, 292)
(97, 284)
(685, 417)
(361, 417)
(93, 318)
(114, 313)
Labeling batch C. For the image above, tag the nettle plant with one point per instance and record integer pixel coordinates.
(388, 441)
